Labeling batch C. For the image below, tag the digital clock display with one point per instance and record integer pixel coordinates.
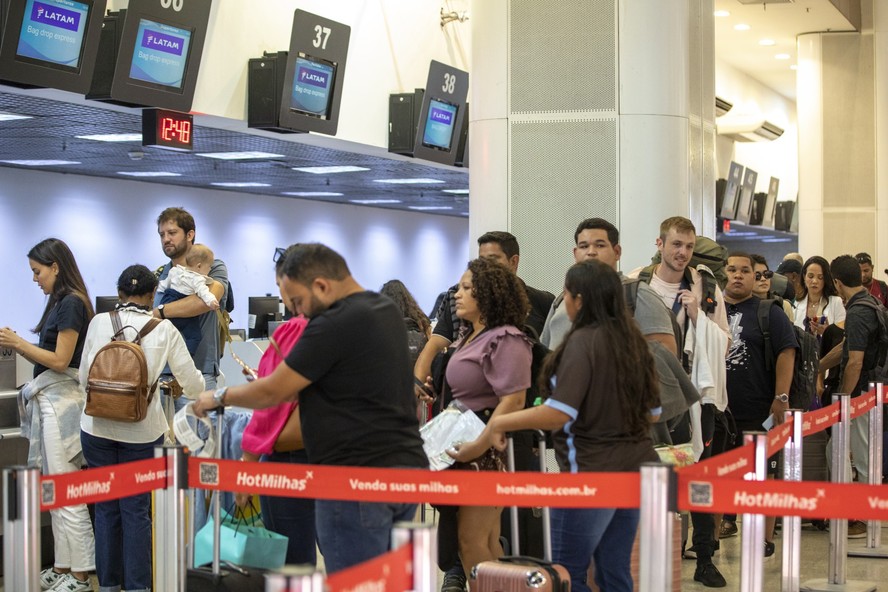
(167, 129)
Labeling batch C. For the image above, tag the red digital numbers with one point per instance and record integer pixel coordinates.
(175, 130)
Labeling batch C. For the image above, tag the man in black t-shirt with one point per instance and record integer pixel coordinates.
(350, 373)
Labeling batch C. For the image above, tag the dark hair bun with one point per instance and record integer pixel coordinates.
(136, 280)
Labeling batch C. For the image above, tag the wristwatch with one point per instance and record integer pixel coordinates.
(160, 311)
(782, 397)
(219, 396)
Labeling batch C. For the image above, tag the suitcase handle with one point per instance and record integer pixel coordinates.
(524, 560)
(540, 437)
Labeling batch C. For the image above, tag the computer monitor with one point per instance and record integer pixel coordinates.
(732, 191)
(261, 310)
(106, 303)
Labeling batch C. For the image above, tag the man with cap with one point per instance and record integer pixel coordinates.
(877, 288)
(792, 270)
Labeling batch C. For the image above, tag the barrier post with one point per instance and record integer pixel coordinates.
(424, 539)
(873, 546)
(658, 502)
(752, 558)
(838, 527)
(296, 578)
(792, 525)
(21, 529)
(169, 522)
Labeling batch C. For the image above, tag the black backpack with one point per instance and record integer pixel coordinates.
(879, 371)
(807, 359)
(538, 352)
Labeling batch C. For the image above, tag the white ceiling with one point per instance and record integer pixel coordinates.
(781, 23)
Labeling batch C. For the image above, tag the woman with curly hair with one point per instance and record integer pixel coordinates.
(602, 393)
(488, 373)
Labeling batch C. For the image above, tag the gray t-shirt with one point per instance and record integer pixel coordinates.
(651, 315)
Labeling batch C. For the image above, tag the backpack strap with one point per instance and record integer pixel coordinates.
(116, 326)
(630, 292)
(764, 319)
(146, 329)
(647, 273)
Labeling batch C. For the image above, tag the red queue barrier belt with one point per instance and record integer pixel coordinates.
(102, 484)
(462, 488)
(392, 571)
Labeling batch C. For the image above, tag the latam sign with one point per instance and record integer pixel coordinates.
(441, 116)
(55, 16)
(313, 77)
(161, 42)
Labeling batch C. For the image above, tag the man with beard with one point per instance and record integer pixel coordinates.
(176, 229)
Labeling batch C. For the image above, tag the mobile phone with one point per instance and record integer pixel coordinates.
(768, 423)
(423, 386)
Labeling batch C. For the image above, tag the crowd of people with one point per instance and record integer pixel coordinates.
(671, 353)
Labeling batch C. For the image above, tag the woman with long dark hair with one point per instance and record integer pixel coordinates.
(53, 401)
(819, 305)
(602, 392)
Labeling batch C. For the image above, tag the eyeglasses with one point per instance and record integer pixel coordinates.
(864, 259)
(767, 274)
(278, 253)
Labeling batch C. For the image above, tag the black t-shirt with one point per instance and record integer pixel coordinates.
(540, 303)
(360, 409)
(861, 334)
(750, 385)
(68, 313)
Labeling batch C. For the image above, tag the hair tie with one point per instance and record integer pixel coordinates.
(135, 281)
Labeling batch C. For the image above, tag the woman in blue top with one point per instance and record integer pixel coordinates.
(603, 392)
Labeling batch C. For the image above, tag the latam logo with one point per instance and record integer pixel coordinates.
(55, 16)
(313, 77)
(161, 42)
(441, 116)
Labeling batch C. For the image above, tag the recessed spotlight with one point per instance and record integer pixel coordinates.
(741, 27)
(40, 162)
(330, 170)
(782, 56)
(456, 191)
(429, 208)
(241, 184)
(112, 137)
(793, 67)
(13, 117)
(721, 13)
(239, 155)
(375, 201)
(767, 42)
(419, 181)
(312, 193)
(148, 174)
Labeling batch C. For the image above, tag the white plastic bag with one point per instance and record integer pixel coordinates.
(453, 426)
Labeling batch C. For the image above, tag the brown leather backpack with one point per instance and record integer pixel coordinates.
(117, 384)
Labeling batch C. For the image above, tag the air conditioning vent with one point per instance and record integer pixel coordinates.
(722, 106)
(749, 130)
(766, 1)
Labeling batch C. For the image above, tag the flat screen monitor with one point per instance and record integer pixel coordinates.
(438, 127)
(773, 186)
(312, 86)
(732, 191)
(53, 33)
(160, 57)
(106, 303)
(261, 310)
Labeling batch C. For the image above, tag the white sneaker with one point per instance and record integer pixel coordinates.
(49, 578)
(68, 583)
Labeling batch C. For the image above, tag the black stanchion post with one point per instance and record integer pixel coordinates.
(658, 502)
(752, 558)
(21, 529)
(838, 527)
(873, 546)
(792, 525)
(169, 522)
(424, 539)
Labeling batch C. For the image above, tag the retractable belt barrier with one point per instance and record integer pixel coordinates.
(711, 486)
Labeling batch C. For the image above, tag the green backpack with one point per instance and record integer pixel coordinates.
(706, 252)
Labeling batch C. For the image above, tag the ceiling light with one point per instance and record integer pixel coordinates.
(40, 162)
(721, 13)
(13, 117)
(241, 184)
(330, 170)
(408, 181)
(148, 174)
(239, 155)
(782, 56)
(741, 27)
(767, 42)
(375, 201)
(429, 208)
(312, 194)
(456, 191)
(112, 137)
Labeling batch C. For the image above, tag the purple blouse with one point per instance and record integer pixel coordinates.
(495, 363)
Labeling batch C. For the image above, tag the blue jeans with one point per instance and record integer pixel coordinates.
(353, 532)
(292, 517)
(123, 526)
(580, 534)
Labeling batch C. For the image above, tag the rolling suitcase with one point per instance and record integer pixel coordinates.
(222, 576)
(518, 573)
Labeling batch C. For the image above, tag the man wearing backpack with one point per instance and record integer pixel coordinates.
(877, 288)
(759, 367)
(686, 292)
